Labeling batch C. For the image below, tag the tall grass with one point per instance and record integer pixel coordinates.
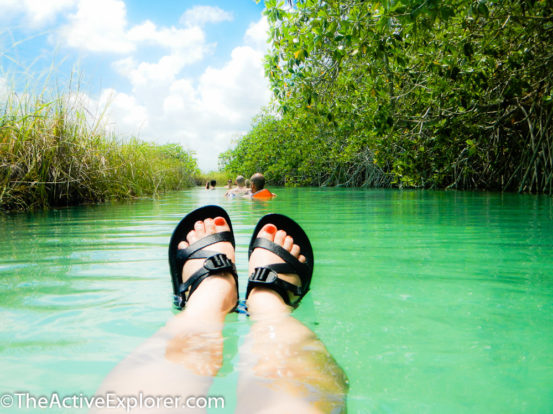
(221, 177)
(51, 156)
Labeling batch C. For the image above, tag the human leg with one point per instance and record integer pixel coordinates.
(284, 366)
(183, 356)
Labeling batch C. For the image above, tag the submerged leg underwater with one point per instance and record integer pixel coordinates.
(283, 367)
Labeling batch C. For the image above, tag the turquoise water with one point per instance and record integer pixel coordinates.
(432, 302)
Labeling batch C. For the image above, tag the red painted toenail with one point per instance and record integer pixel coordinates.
(219, 221)
(270, 229)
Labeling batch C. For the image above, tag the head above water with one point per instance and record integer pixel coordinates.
(257, 182)
(240, 181)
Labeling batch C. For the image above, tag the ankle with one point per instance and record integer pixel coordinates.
(213, 299)
(266, 302)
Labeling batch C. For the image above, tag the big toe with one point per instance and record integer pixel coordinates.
(220, 224)
(268, 232)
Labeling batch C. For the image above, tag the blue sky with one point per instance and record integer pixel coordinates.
(187, 72)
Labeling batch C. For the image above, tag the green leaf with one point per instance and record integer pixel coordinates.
(483, 9)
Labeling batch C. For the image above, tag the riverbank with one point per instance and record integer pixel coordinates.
(406, 94)
(51, 156)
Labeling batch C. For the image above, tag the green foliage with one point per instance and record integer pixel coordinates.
(221, 177)
(293, 151)
(49, 156)
(438, 93)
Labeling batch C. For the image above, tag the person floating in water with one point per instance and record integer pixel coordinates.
(229, 184)
(210, 185)
(283, 368)
(240, 189)
(257, 188)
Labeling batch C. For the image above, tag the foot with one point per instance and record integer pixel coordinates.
(216, 295)
(264, 300)
(195, 334)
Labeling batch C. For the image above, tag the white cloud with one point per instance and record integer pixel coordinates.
(185, 46)
(229, 98)
(111, 112)
(164, 71)
(182, 98)
(124, 66)
(200, 15)
(98, 26)
(202, 114)
(256, 35)
(89, 29)
(41, 12)
(36, 13)
(124, 111)
(169, 37)
(9, 4)
(236, 89)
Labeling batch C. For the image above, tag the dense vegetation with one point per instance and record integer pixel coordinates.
(221, 178)
(50, 156)
(411, 93)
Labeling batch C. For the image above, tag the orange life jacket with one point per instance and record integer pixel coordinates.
(263, 194)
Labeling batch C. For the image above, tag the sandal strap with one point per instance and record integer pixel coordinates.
(267, 276)
(281, 268)
(195, 250)
(181, 257)
(213, 265)
(299, 268)
(224, 236)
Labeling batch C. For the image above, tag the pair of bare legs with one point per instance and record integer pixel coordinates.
(283, 367)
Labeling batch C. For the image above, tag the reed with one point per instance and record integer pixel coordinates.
(221, 177)
(50, 156)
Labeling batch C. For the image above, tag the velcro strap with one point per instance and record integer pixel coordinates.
(268, 277)
(215, 264)
(301, 269)
(263, 275)
(218, 263)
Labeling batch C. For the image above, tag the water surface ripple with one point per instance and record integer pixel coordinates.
(434, 302)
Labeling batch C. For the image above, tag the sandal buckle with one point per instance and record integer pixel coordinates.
(218, 263)
(264, 275)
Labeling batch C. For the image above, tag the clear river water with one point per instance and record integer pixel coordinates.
(431, 302)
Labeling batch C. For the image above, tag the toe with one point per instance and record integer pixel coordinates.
(268, 232)
(288, 243)
(302, 258)
(221, 224)
(192, 236)
(182, 245)
(199, 227)
(279, 237)
(209, 226)
(295, 251)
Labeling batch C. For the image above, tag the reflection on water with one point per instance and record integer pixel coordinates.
(430, 301)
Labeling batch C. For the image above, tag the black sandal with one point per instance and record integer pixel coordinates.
(267, 276)
(215, 262)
